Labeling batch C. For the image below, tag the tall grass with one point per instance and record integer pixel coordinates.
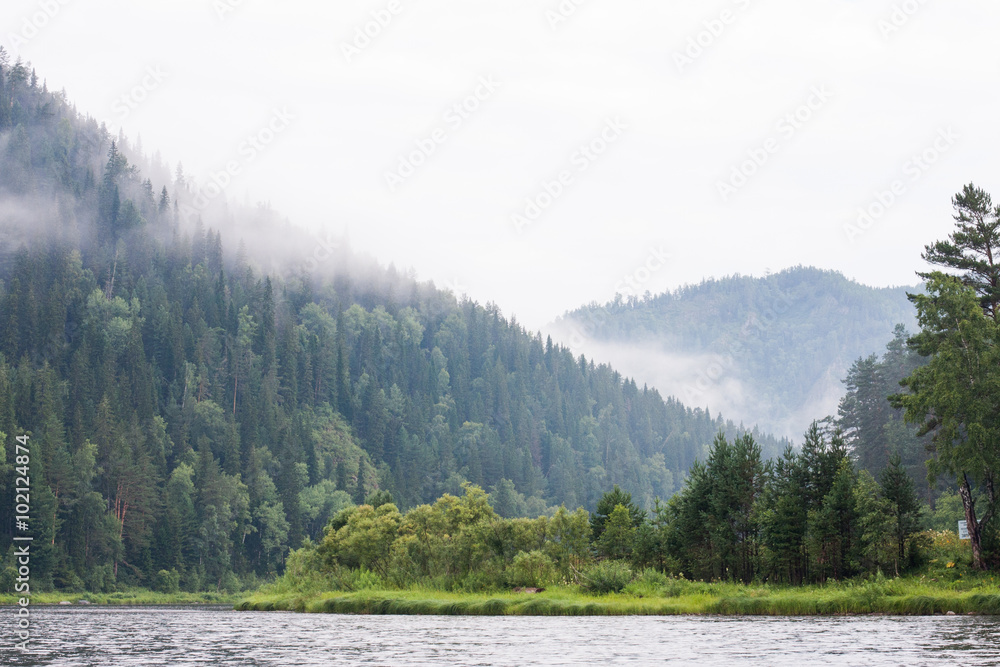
(136, 597)
(647, 596)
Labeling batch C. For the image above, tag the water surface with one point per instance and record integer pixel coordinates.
(74, 636)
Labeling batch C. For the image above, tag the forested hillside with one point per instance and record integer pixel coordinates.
(769, 351)
(204, 386)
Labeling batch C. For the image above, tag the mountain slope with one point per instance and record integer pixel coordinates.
(770, 351)
(194, 412)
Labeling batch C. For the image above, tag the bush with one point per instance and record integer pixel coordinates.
(649, 583)
(167, 581)
(354, 579)
(948, 511)
(531, 569)
(230, 583)
(609, 576)
(479, 582)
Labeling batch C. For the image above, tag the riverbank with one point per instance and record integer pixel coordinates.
(895, 596)
(137, 597)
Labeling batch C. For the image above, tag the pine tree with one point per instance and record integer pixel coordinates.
(897, 488)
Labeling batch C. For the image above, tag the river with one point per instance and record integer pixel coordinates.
(150, 637)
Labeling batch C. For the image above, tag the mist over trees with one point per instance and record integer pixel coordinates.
(770, 350)
(197, 405)
(206, 389)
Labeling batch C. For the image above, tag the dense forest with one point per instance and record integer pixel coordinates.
(928, 408)
(771, 350)
(202, 389)
(808, 517)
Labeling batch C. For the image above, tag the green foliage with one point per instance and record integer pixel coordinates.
(873, 595)
(379, 498)
(955, 394)
(897, 487)
(607, 576)
(971, 248)
(873, 429)
(568, 544)
(365, 540)
(648, 583)
(618, 538)
(714, 532)
(608, 503)
(532, 569)
(832, 533)
(878, 534)
(167, 581)
(948, 511)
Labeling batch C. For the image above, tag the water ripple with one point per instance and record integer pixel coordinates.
(122, 637)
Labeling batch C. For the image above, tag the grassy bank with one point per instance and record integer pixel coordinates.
(896, 596)
(139, 596)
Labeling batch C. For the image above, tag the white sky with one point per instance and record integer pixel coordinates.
(228, 64)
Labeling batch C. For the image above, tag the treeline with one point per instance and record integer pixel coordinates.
(808, 517)
(193, 417)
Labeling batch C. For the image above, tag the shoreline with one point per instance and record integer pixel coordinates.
(834, 600)
(132, 598)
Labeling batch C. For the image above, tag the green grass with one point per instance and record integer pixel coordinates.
(138, 596)
(909, 596)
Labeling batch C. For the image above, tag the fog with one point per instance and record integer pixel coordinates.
(716, 382)
(542, 154)
(743, 136)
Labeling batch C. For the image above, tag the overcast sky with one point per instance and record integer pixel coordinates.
(623, 122)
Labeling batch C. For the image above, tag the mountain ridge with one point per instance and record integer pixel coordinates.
(714, 342)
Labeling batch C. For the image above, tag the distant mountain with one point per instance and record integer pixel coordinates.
(770, 351)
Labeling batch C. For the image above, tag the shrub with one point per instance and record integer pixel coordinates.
(649, 583)
(479, 582)
(609, 576)
(167, 581)
(230, 583)
(532, 569)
